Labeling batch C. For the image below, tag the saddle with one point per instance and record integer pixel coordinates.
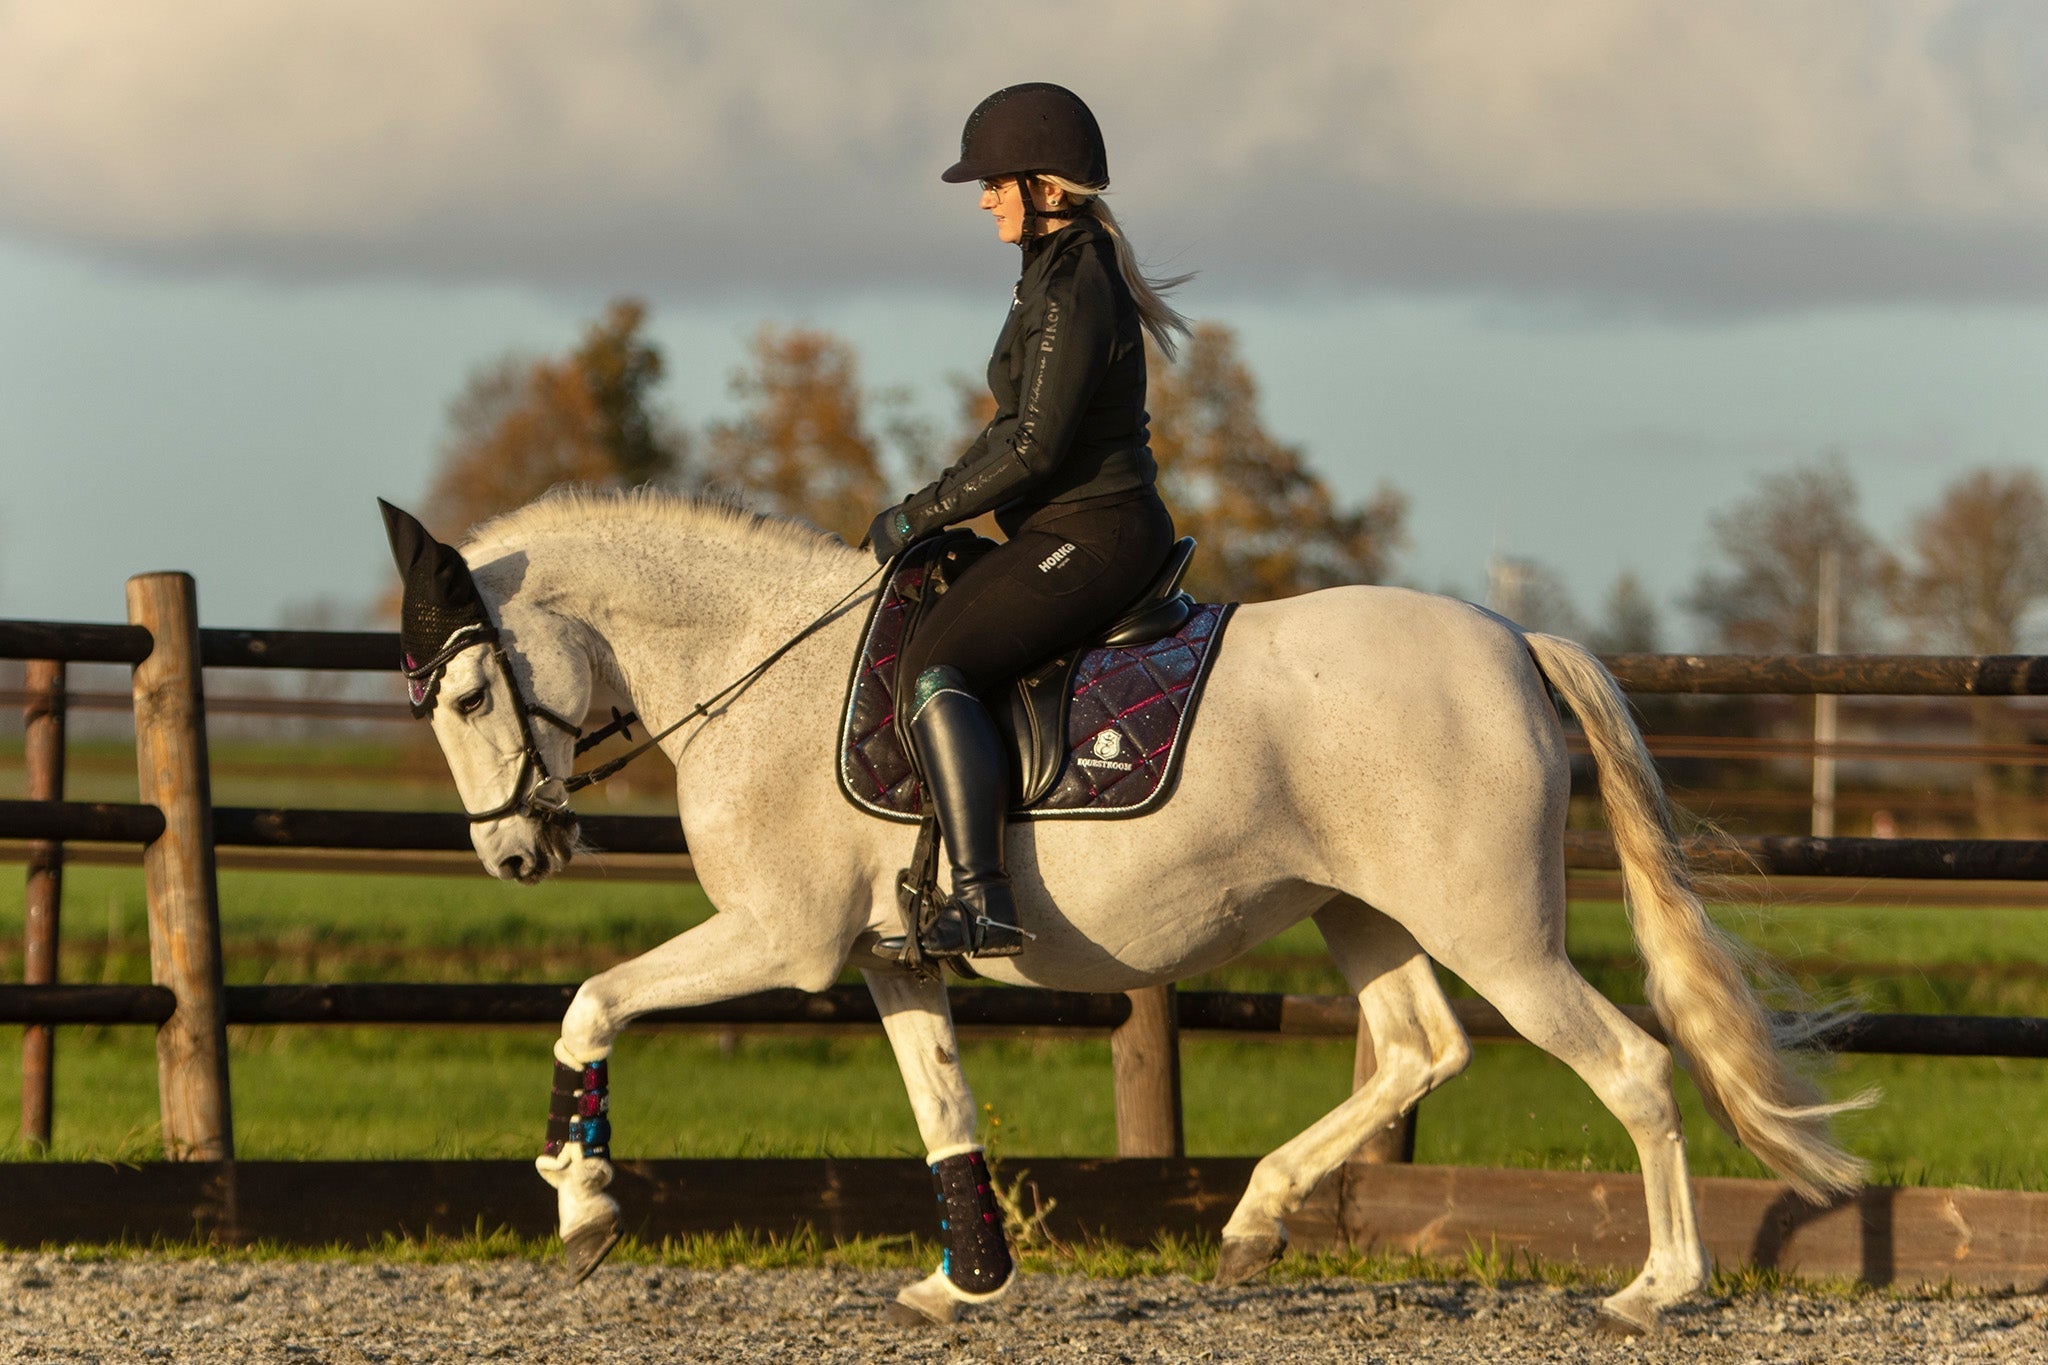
(1097, 731)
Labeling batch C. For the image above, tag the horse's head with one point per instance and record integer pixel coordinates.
(503, 685)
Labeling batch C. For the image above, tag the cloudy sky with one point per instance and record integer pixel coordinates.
(1570, 275)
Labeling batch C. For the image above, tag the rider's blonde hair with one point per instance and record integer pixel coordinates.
(1161, 319)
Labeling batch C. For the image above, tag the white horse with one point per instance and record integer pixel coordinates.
(1383, 761)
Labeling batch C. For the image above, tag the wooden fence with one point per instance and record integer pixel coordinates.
(180, 829)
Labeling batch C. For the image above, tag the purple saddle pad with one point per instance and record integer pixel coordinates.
(1126, 724)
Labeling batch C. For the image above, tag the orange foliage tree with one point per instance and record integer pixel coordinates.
(801, 445)
(522, 426)
(1268, 524)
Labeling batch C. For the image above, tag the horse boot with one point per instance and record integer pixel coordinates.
(961, 755)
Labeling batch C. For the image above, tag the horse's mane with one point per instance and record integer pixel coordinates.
(577, 506)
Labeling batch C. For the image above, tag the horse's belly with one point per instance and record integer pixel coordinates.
(1126, 941)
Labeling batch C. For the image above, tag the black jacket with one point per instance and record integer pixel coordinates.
(1068, 376)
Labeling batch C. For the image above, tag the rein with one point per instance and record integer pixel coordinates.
(424, 682)
(703, 708)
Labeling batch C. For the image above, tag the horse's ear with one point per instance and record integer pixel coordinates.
(440, 596)
(410, 541)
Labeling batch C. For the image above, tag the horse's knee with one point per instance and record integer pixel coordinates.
(588, 1028)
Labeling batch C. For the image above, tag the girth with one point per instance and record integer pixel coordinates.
(1032, 713)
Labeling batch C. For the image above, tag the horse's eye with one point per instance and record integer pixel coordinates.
(472, 702)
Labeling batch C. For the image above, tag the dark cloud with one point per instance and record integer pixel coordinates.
(1654, 153)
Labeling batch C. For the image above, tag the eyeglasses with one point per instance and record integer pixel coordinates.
(994, 184)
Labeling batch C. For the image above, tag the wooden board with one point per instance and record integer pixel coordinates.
(311, 1203)
(1977, 1238)
(1883, 1236)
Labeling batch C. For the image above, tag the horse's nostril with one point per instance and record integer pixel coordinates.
(512, 867)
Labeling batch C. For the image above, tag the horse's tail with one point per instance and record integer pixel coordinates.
(1696, 979)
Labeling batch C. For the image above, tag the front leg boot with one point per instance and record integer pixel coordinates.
(577, 1162)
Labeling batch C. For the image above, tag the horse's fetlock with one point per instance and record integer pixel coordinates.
(1266, 1198)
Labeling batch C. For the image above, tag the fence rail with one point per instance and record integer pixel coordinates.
(179, 828)
(1234, 1012)
(1895, 675)
(444, 831)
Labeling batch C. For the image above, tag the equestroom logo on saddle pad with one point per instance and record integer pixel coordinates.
(1107, 746)
(1129, 716)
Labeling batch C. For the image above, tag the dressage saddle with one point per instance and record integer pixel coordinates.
(1032, 713)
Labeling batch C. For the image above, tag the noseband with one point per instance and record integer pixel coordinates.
(423, 686)
(529, 796)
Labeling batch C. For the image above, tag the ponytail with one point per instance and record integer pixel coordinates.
(1162, 321)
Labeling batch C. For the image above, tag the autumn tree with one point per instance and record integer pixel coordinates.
(1268, 524)
(521, 426)
(801, 445)
(1979, 565)
(1767, 598)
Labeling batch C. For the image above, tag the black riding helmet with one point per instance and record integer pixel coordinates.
(1031, 129)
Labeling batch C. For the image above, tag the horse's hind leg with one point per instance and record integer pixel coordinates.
(977, 1266)
(1418, 1045)
(1546, 1000)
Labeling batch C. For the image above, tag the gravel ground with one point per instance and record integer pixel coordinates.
(287, 1311)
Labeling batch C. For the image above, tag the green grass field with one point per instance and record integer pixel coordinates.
(356, 1092)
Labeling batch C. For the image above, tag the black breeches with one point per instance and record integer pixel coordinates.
(1066, 572)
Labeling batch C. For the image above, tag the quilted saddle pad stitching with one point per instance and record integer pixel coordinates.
(1149, 728)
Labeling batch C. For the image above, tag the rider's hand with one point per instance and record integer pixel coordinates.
(889, 533)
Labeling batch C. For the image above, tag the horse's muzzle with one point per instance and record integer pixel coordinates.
(543, 845)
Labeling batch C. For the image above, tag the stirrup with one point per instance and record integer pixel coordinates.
(959, 931)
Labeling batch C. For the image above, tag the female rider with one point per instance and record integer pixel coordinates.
(1065, 466)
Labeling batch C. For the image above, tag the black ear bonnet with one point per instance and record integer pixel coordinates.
(442, 612)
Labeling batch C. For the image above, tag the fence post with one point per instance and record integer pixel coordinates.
(1394, 1143)
(43, 755)
(184, 906)
(1144, 1055)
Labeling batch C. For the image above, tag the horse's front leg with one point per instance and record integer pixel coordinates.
(977, 1267)
(725, 956)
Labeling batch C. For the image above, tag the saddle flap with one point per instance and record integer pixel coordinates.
(1033, 718)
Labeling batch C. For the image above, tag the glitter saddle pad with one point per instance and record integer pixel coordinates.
(1125, 714)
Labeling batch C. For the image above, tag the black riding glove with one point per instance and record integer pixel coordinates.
(890, 532)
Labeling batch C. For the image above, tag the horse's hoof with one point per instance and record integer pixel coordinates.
(924, 1303)
(588, 1245)
(902, 1314)
(1609, 1322)
(1247, 1258)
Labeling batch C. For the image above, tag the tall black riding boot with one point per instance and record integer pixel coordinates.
(962, 756)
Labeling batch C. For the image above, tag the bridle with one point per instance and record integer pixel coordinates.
(530, 795)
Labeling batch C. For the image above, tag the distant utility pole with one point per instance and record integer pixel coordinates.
(1828, 639)
(1507, 582)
